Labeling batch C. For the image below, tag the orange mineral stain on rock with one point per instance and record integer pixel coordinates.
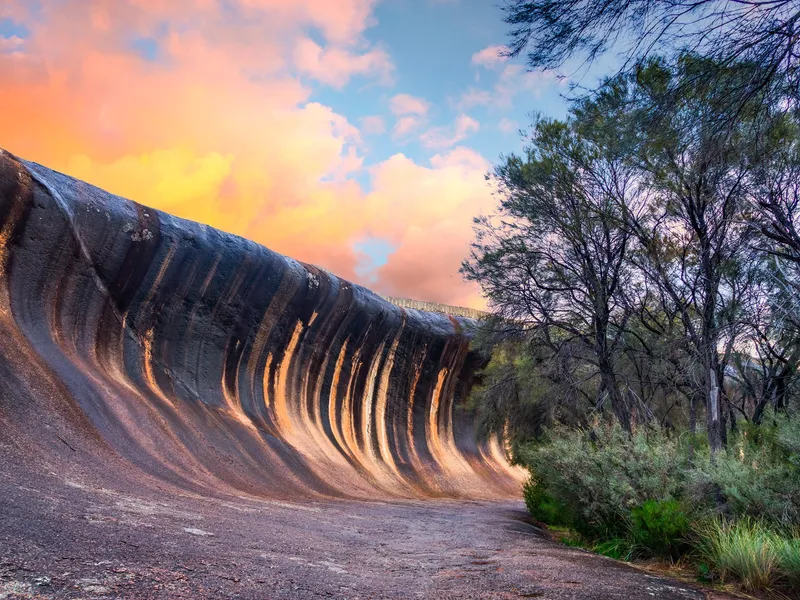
(214, 366)
(280, 406)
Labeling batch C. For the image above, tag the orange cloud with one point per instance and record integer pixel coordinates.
(429, 251)
(221, 129)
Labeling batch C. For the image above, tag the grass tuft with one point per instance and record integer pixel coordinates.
(789, 559)
(745, 550)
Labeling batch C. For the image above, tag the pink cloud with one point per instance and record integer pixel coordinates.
(335, 65)
(406, 125)
(406, 104)
(511, 81)
(410, 112)
(341, 22)
(445, 137)
(490, 57)
(507, 125)
(221, 130)
(373, 125)
(443, 197)
(11, 44)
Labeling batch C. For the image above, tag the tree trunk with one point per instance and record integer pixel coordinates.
(692, 424)
(618, 403)
(781, 388)
(713, 411)
(768, 397)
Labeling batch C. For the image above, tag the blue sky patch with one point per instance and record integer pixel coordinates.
(373, 253)
(9, 28)
(146, 48)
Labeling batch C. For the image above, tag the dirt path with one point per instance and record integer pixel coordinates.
(64, 539)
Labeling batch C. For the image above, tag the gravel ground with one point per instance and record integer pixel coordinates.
(61, 538)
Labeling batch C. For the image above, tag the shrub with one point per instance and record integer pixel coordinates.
(758, 475)
(639, 495)
(659, 528)
(598, 477)
(544, 507)
(744, 550)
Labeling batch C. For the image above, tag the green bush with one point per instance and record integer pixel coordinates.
(544, 507)
(744, 550)
(639, 495)
(598, 477)
(757, 475)
(660, 528)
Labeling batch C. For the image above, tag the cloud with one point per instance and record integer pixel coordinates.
(373, 253)
(512, 80)
(335, 65)
(219, 127)
(373, 125)
(406, 104)
(404, 126)
(490, 57)
(410, 112)
(444, 197)
(11, 45)
(507, 125)
(445, 137)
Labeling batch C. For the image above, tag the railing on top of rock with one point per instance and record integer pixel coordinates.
(457, 311)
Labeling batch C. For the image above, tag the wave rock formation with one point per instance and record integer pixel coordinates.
(135, 344)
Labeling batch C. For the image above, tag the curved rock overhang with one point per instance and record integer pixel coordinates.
(136, 344)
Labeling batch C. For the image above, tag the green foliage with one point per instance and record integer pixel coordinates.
(744, 550)
(639, 495)
(599, 476)
(757, 475)
(650, 241)
(789, 559)
(543, 507)
(616, 548)
(660, 528)
(520, 391)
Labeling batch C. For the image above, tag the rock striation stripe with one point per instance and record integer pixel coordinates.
(166, 350)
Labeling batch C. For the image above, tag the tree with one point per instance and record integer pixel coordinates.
(554, 258)
(763, 32)
(776, 190)
(694, 236)
(765, 370)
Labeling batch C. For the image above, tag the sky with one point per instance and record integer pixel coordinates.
(351, 134)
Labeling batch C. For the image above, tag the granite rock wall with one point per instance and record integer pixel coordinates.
(138, 345)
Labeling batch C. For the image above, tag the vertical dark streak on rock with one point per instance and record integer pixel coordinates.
(173, 353)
